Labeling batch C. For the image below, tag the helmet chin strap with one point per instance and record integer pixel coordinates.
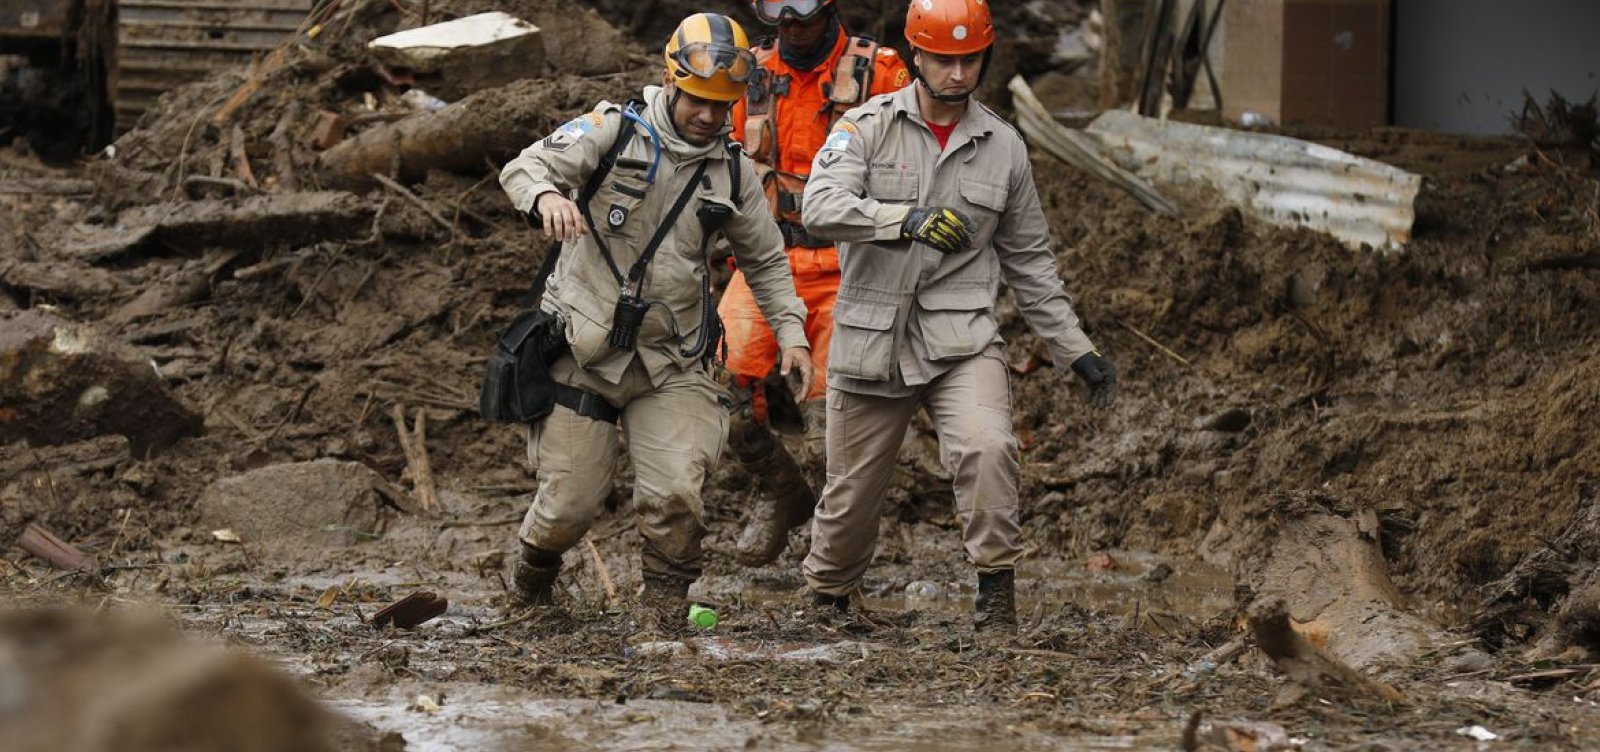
(946, 98)
(952, 98)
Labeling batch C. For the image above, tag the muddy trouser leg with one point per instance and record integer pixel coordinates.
(863, 440)
(784, 500)
(575, 458)
(675, 435)
(970, 406)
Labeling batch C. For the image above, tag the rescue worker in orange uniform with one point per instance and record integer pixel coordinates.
(807, 78)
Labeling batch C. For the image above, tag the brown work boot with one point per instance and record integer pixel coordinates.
(784, 498)
(997, 604)
(533, 577)
(664, 605)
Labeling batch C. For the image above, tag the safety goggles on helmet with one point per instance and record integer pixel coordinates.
(773, 11)
(704, 59)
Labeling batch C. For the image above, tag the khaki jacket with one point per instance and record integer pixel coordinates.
(907, 313)
(627, 210)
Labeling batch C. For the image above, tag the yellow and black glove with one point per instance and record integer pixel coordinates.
(945, 229)
(1101, 377)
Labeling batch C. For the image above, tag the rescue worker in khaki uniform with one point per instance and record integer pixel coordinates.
(631, 288)
(932, 199)
(806, 79)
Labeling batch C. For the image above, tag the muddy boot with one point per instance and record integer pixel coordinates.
(784, 499)
(533, 577)
(664, 605)
(997, 604)
(814, 456)
(823, 603)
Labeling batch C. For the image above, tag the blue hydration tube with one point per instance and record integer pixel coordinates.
(655, 141)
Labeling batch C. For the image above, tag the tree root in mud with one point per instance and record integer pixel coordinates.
(1323, 561)
(1305, 663)
(60, 382)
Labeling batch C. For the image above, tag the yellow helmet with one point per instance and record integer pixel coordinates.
(709, 56)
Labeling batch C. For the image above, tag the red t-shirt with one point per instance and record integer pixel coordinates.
(942, 132)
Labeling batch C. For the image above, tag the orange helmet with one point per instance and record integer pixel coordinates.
(949, 27)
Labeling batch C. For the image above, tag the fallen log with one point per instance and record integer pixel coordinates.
(59, 553)
(185, 286)
(494, 124)
(74, 281)
(291, 219)
(61, 382)
(47, 186)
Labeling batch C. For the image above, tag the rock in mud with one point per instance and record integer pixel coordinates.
(302, 508)
(74, 681)
(62, 382)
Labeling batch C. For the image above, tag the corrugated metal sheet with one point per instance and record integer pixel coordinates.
(162, 44)
(1280, 180)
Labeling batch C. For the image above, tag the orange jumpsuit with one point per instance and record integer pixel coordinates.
(801, 118)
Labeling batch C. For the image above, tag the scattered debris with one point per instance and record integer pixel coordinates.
(61, 382)
(1561, 122)
(1559, 577)
(1478, 732)
(466, 55)
(226, 536)
(410, 611)
(1074, 148)
(59, 553)
(1102, 562)
(414, 444)
(1280, 180)
(1248, 736)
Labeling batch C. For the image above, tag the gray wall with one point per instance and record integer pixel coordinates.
(1462, 65)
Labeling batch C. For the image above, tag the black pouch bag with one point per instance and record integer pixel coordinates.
(517, 387)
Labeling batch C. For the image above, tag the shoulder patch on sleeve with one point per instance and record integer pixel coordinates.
(573, 131)
(839, 139)
(901, 78)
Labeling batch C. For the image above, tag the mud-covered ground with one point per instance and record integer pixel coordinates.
(1451, 388)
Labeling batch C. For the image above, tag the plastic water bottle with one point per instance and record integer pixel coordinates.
(922, 592)
(703, 617)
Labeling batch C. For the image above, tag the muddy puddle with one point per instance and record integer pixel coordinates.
(1138, 584)
(727, 688)
(461, 717)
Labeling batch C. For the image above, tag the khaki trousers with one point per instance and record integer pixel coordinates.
(675, 434)
(970, 406)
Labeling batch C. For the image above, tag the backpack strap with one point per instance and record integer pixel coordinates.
(761, 104)
(597, 178)
(734, 174)
(852, 74)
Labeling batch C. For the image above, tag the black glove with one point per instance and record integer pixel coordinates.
(941, 227)
(1101, 377)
